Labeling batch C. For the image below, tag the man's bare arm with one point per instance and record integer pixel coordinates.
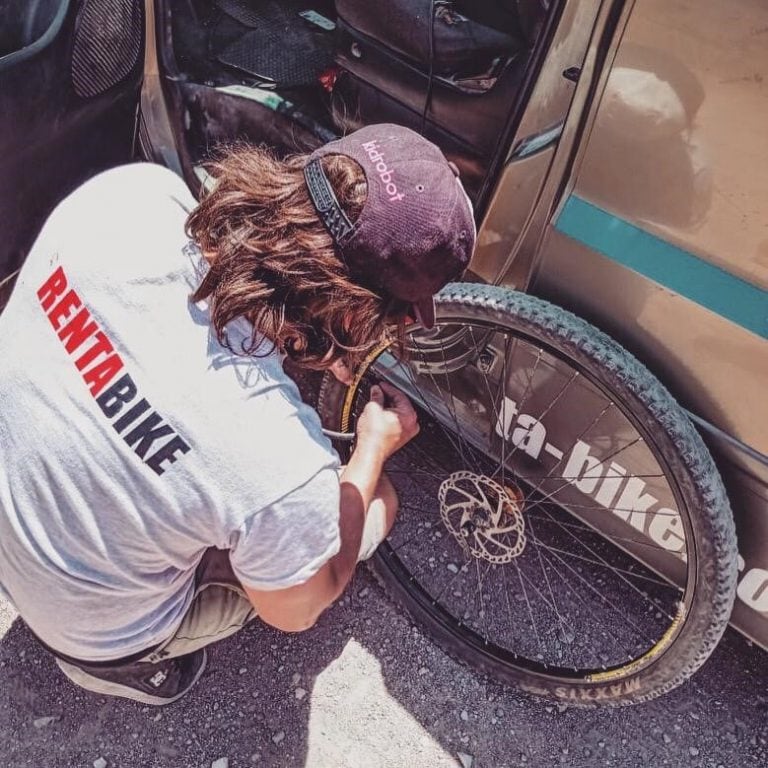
(364, 490)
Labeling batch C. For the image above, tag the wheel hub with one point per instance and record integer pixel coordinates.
(483, 516)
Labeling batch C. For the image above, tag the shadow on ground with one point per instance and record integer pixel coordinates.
(378, 693)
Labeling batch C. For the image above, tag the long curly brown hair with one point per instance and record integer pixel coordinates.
(273, 262)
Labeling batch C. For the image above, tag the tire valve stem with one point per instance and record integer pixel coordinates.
(485, 361)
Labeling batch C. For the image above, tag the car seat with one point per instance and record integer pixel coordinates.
(458, 81)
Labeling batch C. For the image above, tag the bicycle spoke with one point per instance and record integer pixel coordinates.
(583, 433)
(481, 615)
(542, 596)
(602, 597)
(529, 383)
(458, 446)
(502, 390)
(551, 494)
(628, 510)
(570, 478)
(605, 536)
(425, 456)
(541, 416)
(448, 584)
(409, 472)
(457, 442)
(506, 594)
(528, 604)
(590, 550)
(497, 412)
(549, 586)
(581, 601)
(452, 399)
(407, 541)
(583, 559)
(589, 608)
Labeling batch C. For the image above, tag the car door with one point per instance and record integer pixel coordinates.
(70, 73)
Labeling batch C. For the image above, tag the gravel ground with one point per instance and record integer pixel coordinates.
(366, 688)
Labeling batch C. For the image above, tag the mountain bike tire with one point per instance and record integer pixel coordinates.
(549, 541)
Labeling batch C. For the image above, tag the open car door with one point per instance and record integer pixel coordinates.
(70, 74)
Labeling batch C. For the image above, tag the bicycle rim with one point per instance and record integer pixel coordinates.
(540, 525)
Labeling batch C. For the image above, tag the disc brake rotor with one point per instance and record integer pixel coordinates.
(483, 516)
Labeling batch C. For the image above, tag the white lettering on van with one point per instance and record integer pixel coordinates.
(753, 587)
(625, 496)
(611, 486)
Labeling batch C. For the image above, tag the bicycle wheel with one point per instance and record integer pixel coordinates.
(562, 526)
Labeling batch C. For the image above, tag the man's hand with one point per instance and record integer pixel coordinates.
(387, 422)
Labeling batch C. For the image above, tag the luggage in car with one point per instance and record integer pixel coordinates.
(459, 80)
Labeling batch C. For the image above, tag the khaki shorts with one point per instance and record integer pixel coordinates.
(219, 608)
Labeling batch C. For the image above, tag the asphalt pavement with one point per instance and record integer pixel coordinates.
(366, 689)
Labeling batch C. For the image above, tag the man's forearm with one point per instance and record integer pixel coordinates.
(297, 608)
(358, 488)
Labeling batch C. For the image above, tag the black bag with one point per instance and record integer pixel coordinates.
(475, 69)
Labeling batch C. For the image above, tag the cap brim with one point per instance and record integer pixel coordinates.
(425, 312)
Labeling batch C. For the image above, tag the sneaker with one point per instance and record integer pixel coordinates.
(157, 684)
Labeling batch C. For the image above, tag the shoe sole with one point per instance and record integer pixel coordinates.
(94, 684)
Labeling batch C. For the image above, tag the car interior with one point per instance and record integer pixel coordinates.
(70, 78)
(291, 74)
(294, 74)
(23, 22)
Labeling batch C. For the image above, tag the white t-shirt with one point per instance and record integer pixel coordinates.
(131, 440)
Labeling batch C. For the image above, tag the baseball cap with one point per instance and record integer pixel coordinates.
(416, 231)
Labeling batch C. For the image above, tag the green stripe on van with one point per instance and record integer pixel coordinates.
(680, 271)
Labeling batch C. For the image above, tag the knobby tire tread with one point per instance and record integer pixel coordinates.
(684, 451)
